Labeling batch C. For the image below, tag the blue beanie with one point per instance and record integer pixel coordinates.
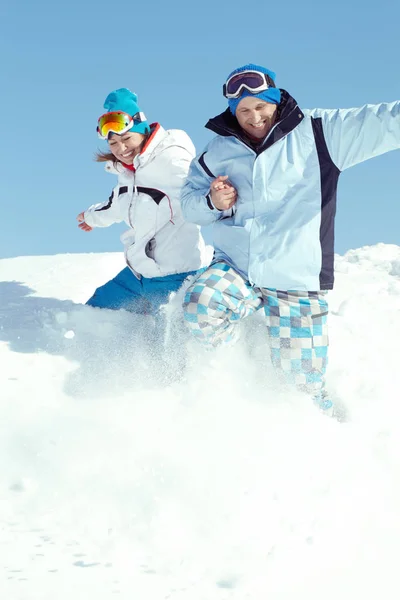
(126, 101)
(272, 94)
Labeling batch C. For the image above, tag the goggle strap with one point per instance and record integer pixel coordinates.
(140, 116)
(270, 81)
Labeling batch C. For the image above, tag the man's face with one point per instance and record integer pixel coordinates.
(255, 116)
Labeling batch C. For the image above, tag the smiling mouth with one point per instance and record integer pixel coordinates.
(258, 125)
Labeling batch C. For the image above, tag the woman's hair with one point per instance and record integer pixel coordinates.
(101, 156)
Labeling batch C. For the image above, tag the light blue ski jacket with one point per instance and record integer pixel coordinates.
(280, 233)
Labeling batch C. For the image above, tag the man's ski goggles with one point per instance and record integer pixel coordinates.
(252, 81)
(117, 122)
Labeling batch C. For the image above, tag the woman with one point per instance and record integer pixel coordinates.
(161, 249)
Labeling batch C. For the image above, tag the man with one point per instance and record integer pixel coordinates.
(266, 186)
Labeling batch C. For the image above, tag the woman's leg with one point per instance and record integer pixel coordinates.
(159, 289)
(168, 336)
(124, 291)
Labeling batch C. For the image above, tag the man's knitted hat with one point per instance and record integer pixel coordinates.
(272, 94)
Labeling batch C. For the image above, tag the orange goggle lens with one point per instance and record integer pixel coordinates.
(115, 122)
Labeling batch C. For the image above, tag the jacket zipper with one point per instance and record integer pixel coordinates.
(134, 193)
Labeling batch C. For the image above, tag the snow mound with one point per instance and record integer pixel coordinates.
(118, 481)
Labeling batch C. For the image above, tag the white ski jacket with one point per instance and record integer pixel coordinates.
(159, 242)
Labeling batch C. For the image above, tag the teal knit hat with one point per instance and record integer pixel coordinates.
(272, 94)
(126, 101)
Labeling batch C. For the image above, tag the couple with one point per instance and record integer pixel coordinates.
(263, 192)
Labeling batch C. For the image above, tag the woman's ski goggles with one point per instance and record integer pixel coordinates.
(117, 122)
(252, 81)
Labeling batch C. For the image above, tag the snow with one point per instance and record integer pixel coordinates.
(222, 486)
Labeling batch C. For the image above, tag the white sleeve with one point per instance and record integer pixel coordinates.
(354, 135)
(105, 213)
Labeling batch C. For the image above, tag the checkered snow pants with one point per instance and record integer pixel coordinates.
(296, 321)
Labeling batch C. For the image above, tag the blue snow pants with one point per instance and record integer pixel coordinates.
(141, 296)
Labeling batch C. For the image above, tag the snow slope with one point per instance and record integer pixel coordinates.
(221, 486)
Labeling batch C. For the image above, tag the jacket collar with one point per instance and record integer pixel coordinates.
(157, 134)
(290, 115)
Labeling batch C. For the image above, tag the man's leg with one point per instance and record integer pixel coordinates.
(124, 291)
(215, 303)
(298, 332)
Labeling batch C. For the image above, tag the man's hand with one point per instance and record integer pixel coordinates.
(82, 225)
(223, 194)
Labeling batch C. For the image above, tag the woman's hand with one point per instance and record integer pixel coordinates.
(82, 225)
(223, 194)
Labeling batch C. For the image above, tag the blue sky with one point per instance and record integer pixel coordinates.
(60, 60)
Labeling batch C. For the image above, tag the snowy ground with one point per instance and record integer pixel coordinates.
(222, 486)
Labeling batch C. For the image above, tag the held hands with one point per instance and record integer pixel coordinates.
(82, 225)
(222, 192)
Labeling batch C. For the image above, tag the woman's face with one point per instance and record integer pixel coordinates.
(126, 146)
